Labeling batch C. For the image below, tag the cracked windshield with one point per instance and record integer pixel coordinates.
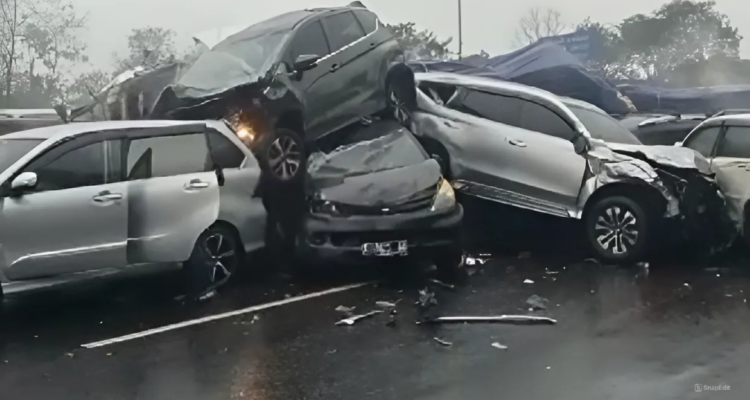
(414, 199)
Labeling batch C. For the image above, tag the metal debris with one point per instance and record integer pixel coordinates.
(353, 320)
(499, 346)
(348, 311)
(256, 318)
(517, 319)
(69, 355)
(443, 342)
(386, 304)
(207, 295)
(529, 281)
(426, 298)
(443, 284)
(537, 303)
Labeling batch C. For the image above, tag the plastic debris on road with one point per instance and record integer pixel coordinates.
(386, 304)
(537, 303)
(511, 319)
(499, 346)
(443, 284)
(348, 311)
(443, 342)
(353, 320)
(426, 298)
(529, 281)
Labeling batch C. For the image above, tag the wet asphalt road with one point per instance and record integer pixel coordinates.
(622, 333)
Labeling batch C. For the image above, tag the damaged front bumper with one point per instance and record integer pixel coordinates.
(341, 238)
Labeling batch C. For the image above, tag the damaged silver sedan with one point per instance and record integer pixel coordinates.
(379, 196)
(528, 148)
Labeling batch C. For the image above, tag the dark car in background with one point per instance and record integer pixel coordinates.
(379, 196)
(15, 120)
(289, 80)
(666, 129)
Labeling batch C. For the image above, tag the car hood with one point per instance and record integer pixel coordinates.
(213, 73)
(668, 156)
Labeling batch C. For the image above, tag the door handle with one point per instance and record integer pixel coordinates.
(196, 184)
(334, 67)
(517, 143)
(107, 196)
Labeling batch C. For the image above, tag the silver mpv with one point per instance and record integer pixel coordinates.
(92, 198)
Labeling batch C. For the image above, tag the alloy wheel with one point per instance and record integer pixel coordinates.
(221, 256)
(400, 112)
(616, 230)
(284, 157)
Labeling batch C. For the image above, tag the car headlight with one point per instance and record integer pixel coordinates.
(445, 198)
(323, 207)
(246, 133)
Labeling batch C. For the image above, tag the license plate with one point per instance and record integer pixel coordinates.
(386, 249)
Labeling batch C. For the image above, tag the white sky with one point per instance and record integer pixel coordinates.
(487, 24)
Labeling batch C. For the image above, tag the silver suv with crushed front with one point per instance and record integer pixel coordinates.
(90, 198)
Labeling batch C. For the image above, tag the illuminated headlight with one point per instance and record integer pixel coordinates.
(445, 198)
(246, 133)
(323, 207)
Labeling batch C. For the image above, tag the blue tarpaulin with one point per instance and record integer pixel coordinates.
(544, 65)
(706, 100)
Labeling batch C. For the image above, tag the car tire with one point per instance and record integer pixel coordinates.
(282, 157)
(214, 261)
(397, 104)
(617, 229)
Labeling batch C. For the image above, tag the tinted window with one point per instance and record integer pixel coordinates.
(224, 152)
(310, 40)
(368, 20)
(703, 141)
(602, 126)
(736, 143)
(505, 110)
(541, 119)
(342, 29)
(12, 151)
(77, 168)
(168, 156)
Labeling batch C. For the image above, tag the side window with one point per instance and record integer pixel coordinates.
(368, 20)
(160, 156)
(736, 143)
(224, 152)
(502, 109)
(308, 41)
(77, 168)
(703, 141)
(342, 29)
(537, 118)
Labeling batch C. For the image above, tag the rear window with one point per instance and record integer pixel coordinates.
(13, 149)
(602, 126)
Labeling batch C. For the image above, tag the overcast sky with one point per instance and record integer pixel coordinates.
(488, 24)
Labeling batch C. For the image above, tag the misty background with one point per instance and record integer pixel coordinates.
(63, 48)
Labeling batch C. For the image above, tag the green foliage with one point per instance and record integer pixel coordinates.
(148, 47)
(420, 44)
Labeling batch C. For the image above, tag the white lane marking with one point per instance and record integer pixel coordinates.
(229, 314)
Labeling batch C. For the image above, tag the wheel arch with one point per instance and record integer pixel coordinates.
(402, 76)
(293, 120)
(645, 195)
(220, 223)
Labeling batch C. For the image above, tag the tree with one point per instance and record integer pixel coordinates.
(86, 84)
(149, 47)
(420, 44)
(538, 24)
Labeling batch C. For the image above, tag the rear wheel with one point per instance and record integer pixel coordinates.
(282, 157)
(398, 105)
(214, 261)
(617, 229)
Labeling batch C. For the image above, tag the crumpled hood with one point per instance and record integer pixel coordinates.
(214, 73)
(669, 156)
(384, 188)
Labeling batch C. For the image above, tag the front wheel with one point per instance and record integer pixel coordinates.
(617, 229)
(214, 261)
(397, 103)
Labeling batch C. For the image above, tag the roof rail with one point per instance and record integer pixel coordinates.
(731, 111)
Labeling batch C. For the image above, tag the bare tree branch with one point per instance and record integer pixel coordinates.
(537, 24)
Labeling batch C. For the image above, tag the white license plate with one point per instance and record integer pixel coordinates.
(386, 249)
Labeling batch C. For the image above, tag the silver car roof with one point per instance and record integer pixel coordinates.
(78, 128)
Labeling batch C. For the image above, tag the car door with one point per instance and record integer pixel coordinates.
(310, 39)
(239, 204)
(76, 217)
(703, 140)
(731, 163)
(173, 192)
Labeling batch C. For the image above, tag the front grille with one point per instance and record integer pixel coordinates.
(421, 201)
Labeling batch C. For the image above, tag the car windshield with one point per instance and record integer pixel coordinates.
(253, 51)
(604, 127)
(13, 149)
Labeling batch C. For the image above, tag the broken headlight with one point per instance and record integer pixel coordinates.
(323, 207)
(445, 198)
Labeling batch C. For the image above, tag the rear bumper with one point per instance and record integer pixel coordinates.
(340, 239)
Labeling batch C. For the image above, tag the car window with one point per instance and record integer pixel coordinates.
(12, 150)
(342, 29)
(537, 118)
(309, 40)
(368, 20)
(703, 141)
(160, 156)
(502, 109)
(223, 152)
(736, 143)
(602, 126)
(80, 167)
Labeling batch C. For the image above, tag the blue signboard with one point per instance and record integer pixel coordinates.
(576, 43)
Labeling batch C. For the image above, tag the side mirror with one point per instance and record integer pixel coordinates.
(677, 144)
(581, 144)
(26, 180)
(62, 112)
(306, 62)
